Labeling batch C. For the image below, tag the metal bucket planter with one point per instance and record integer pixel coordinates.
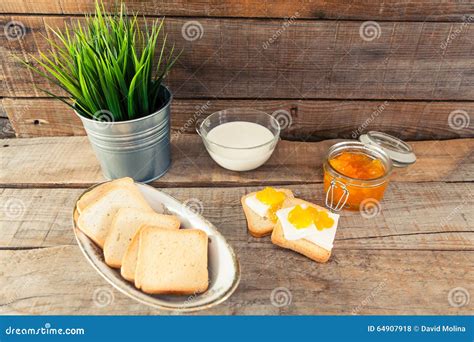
(138, 148)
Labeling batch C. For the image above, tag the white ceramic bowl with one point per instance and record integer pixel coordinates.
(239, 158)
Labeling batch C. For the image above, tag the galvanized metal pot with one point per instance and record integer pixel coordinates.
(138, 148)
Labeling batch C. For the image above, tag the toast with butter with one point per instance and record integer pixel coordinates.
(260, 225)
(316, 246)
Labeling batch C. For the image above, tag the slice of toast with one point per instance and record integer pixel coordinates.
(129, 261)
(259, 226)
(96, 218)
(89, 196)
(301, 246)
(172, 261)
(125, 224)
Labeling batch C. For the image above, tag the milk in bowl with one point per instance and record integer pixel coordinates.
(240, 139)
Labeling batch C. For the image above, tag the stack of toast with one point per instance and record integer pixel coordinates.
(312, 242)
(149, 248)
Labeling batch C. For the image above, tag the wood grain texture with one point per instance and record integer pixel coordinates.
(405, 260)
(308, 120)
(302, 60)
(58, 280)
(420, 10)
(70, 162)
(6, 129)
(433, 216)
(329, 79)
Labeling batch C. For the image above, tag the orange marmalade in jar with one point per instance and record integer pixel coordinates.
(355, 172)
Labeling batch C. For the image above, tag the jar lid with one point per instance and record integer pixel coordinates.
(399, 151)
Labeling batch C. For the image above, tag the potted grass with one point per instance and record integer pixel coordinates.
(112, 71)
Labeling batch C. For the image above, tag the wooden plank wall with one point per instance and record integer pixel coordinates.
(330, 68)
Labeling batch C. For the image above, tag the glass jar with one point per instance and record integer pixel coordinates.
(343, 190)
(338, 186)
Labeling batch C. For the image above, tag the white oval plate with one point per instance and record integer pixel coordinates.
(224, 269)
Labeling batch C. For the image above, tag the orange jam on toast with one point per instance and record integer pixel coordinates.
(272, 198)
(302, 218)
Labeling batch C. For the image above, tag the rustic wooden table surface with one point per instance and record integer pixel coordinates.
(405, 260)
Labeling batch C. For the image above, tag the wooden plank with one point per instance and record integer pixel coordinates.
(304, 59)
(69, 161)
(422, 10)
(309, 120)
(57, 281)
(6, 129)
(433, 216)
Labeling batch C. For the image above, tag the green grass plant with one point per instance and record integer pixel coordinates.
(108, 63)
